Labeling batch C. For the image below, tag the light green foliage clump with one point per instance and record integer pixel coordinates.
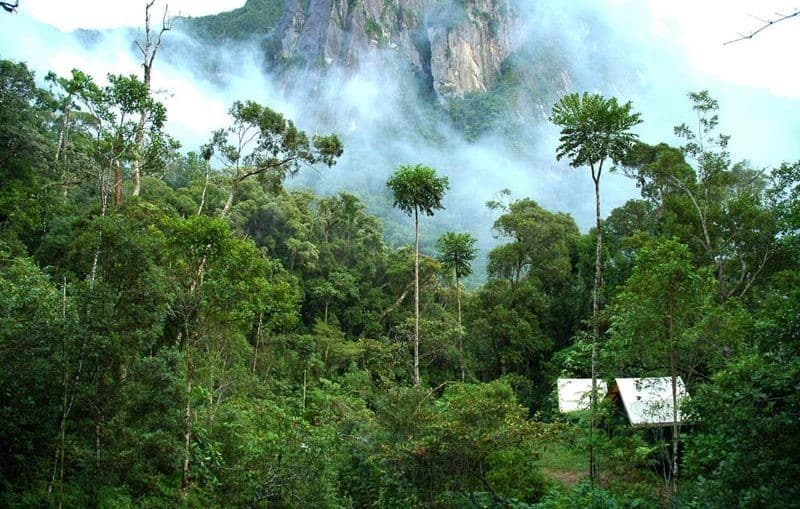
(473, 440)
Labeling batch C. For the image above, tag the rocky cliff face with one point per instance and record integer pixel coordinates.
(466, 54)
(456, 46)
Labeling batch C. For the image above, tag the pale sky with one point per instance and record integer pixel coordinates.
(768, 61)
(71, 14)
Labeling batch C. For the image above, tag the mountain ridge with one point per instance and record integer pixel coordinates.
(455, 48)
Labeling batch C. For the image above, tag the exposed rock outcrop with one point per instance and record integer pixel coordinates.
(466, 55)
(457, 46)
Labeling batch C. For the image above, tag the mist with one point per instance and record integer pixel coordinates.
(610, 47)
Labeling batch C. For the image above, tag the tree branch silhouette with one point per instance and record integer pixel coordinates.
(9, 7)
(767, 24)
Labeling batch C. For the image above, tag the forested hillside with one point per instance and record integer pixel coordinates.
(216, 340)
(181, 327)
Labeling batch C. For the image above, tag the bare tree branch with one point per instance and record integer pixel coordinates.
(9, 7)
(767, 23)
(148, 48)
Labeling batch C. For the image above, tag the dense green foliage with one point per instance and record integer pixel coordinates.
(255, 18)
(593, 129)
(219, 341)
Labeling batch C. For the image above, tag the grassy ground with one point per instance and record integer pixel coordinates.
(564, 459)
(564, 463)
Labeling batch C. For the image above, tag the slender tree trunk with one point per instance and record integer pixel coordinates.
(62, 446)
(191, 338)
(98, 432)
(64, 408)
(137, 144)
(460, 332)
(103, 208)
(598, 267)
(258, 344)
(228, 204)
(117, 182)
(203, 195)
(62, 133)
(719, 272)
(59, 451)
(673, 368)
(396, 303)
(62, 143)
(187, 417)
(305, 374)
(95, 259)
(149, 51)
(416, 298)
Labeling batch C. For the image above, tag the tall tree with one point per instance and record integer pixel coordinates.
(717, 208)
(124, 95)
(745, 450)
(456, 252)
(540, 250)
(728, 201)
(539, 243)
(417, 189)
(149, 48)
(83, 118)
(261, 143)
(24, 148)
(659, 315)
(593, 130)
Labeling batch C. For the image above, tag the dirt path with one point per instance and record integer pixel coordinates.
(567, 477)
